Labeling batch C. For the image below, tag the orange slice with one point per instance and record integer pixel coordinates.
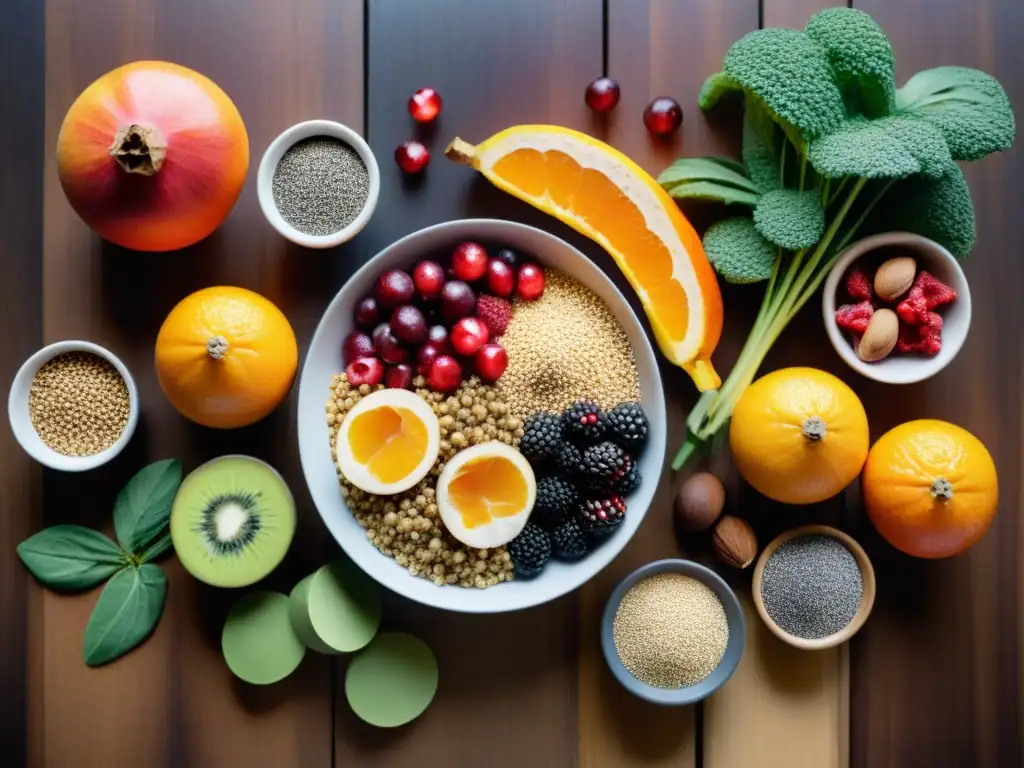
(601, 193)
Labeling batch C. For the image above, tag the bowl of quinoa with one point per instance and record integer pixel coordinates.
(581, 339)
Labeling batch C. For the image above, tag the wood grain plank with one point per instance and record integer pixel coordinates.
(937, 672)
(174, 700)
(507, 692)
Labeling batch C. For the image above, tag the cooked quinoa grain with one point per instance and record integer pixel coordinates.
(407, 526)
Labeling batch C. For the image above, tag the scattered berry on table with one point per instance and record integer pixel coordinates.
(398, 377)
(428, 277)
(600, 516)
(409, 325)
(508, 256)
(556, 499)
(457, 300)
(501, 278)
(357, 344)
(568, 541)
(412, 157)
(365, 370)
(629, 482)
(530, 284)
(425, 357)
(468, 335)
(495, 312)
(602, 95)
(604, 464)
(469, 261)
(389, 348)
(530, 551)
(569, 459)
(628, 426)
(491, 362)
(858, 284)
(394, 288)
(584, 420)
(542, 438)
(367, 314)
(438, 336)
(445, 374)
(425, 105)
(663, 116)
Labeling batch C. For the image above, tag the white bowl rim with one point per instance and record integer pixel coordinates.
(21, 425)
(272, 156)
(924, 368)
(373, 562)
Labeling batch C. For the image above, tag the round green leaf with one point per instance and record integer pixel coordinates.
(392, 681)
(790, 219)
(258, 642)
(738, 252)
(335, 609)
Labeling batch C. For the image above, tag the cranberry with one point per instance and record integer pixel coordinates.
(663, 116)
(428, 278)
(469, 262)
(457, 300)
(602, 95)
(468, 335)
(398, 377)
(501, 279)
(445, 374)
(491, 362)
(365, 370)
(531, 282)
(395, 288)
(409, 325)
(425, 357)
(438, 336)
(389, 349)
(357, 344)
(508, 256)
(367, 313)
(412, 157)
(425, 105)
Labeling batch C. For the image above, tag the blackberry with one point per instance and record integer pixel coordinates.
(568, 541)
(629, 482)
(599, 516)
(556, 498)
(542, 437)
(627, 426)
(603, 465)
(530, 551)
(583, 420)
(569, 459)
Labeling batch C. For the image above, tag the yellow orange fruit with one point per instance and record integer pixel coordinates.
(226, 357)
(799, 435)
(604, 195)
(930, 488)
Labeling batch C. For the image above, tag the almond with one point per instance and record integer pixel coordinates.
(735, 542)
(880, 336)
(895, 277)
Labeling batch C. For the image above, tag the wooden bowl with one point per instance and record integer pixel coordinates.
(867, 600)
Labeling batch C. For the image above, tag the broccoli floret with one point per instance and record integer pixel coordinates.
(970, 108)
(714, 89)
(887, 148)
(791, 74)
(861, 58)
(738, 252)
(790, 219)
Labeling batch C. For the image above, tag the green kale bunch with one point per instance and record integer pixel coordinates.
(826, 135)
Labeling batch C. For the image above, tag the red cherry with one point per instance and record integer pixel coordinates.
(457, 300)
(356, 345)
(429, 279)
(468, 335)
(409, 325)
(531, 282)
(398, 377)
(425, 105)
(491, 362)
(501, 280)
(445, 374)
(425, 357)
(387, 345)
(663, 116)
(602, 95)
(395, 288)
(469, 261)
(367, 313)
(438, 336)
(365, 370)
(412, 157)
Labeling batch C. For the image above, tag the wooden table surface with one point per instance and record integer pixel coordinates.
(936, 678)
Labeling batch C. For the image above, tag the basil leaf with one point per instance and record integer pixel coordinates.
(126, 613)
(714, 191)
(143, 507)
(687, 170)
(70, 557)
(157, 548)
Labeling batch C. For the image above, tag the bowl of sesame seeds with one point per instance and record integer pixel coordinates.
(318, 183)
(73, 406)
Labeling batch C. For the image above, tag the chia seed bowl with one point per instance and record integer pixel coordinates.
(318, 183)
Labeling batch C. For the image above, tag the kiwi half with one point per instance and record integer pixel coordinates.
(232, 521)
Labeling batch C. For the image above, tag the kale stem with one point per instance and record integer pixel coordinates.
(838, 190)
(803, 171)
(782, 163)
(824, 193)
(864, 215)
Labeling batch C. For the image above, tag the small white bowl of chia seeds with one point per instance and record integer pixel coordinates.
(73, 406)
(318, 183)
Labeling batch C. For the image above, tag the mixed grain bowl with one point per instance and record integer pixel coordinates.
(399, 540)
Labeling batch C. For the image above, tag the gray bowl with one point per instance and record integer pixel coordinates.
(733, 650)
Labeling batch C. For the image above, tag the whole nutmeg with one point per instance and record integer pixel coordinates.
(699, 502)
(895, 277)
(735, 542)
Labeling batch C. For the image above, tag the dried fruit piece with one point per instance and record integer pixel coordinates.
(920, 339)
(855, 317)
(495, 312)
(858, 284)
(927, 293)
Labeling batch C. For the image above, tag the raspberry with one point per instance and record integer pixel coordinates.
(858, 284)
(854, 317)
(495, 312)
(927, 293)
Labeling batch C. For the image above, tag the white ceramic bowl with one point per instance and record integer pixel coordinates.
(324, 360)
(21, 424)
(956, 317)
(273, 155)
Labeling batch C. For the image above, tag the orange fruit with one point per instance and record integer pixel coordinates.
(799, 435)
(602, 194)
(930, 488)
(225, 357)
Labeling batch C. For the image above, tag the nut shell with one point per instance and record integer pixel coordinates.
(735, 542)
(895, 277)
(699, 502)
(879, 337)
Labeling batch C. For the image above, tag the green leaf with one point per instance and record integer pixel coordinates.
(687, 170)
(968, 106)
(790, 219)
(738, 252)
(865, 148)
(143, 507)
(715, 88)
(157, 548)
(760, 149)
(713, 191)
(70, 557)
(728, 162)
(126, 613)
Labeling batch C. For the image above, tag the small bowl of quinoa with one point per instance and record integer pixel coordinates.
(73, 406)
